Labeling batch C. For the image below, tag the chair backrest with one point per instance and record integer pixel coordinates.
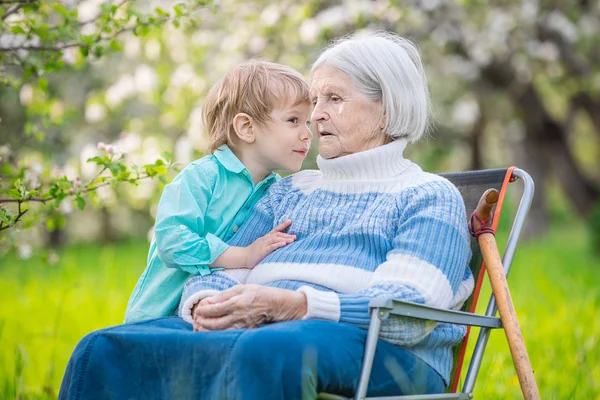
(471, 185)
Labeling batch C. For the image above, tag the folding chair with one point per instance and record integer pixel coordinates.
(471, 185)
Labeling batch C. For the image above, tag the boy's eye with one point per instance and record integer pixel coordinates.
(293, 120)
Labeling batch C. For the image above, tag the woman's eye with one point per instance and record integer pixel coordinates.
(335, 99)
(293, 120)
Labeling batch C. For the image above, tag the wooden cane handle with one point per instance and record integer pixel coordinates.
(508, 315)
(485, 207)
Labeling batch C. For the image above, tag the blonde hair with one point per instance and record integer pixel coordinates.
(255, 88)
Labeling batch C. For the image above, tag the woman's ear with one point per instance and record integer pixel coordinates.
(243, 127)
(382, 118)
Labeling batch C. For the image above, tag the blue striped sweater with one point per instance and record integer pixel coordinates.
(368, 225)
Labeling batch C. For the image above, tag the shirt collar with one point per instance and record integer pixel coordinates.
(230, 161)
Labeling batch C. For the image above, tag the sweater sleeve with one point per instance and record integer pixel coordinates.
(427, 264)
(198, 287)
(179, 230)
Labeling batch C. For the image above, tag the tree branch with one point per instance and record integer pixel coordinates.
(2, 2)
(88, 188)
(19, 215)
(13, 10)
(99, 39)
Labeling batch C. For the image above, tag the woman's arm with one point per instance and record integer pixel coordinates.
(428, 264)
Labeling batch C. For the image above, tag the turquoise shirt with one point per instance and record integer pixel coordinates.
(198, 212)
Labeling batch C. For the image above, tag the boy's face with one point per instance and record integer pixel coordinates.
(283, 142)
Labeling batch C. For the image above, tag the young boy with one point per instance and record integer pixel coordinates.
(256, 118)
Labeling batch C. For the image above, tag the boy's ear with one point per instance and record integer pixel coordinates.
(243, 126)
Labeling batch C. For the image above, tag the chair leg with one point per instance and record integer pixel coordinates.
(370, 347)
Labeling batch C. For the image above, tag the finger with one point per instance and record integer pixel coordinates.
(217, 324)
(285, 236)
(207, 300)
(282, 227)
(274, 246)
(216, 310)
(223, 296)
(198, 327)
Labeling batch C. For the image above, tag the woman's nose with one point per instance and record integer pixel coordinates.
(318, 114)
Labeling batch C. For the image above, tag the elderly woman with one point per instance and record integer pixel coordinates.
(369, 223)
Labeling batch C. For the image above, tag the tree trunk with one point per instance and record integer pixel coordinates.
(528, 156)
(108, 231)
(542, 131)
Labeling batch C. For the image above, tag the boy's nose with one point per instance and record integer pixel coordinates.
(306, 133)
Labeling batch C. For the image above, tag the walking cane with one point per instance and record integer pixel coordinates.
(480, 227)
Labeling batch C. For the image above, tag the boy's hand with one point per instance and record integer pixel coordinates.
(248, 257)
(265, 245)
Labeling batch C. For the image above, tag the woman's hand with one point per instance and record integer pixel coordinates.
(248, 306)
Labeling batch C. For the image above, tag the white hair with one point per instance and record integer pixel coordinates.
(386, 67)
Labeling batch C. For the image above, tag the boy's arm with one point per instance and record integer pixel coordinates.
(179, 229)
(250, 256)
(259, 224)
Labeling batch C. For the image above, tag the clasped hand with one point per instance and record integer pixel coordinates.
(247, 306)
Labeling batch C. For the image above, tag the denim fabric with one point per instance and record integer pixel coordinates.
(165, 359)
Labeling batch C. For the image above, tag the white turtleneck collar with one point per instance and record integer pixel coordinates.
(381, 162)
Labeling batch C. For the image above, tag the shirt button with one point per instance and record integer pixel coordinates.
(235, 229)
(182, 227)
(245, 172)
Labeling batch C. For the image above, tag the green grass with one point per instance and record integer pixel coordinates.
(46, 309)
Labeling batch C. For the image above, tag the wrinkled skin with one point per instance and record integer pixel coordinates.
(344, 120)
(248, 306)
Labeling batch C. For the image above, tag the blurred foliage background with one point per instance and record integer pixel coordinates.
(512, 82)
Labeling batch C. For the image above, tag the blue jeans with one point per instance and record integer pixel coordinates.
(165, 359)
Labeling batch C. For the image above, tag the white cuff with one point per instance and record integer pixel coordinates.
(321, 304)
(186, 309)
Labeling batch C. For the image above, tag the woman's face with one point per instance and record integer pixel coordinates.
(344, 120)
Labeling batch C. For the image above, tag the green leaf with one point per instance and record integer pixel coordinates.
(115, 45)
(163, 179)
(85, 51)
(59, 8)
(51, 224)
(14, 193)
(43, 83)
(80, 202)
(167, 156)
(133, 13)
(160, 169)
(161, 12)
(98, 51)
(179, 9)
(17, 30)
